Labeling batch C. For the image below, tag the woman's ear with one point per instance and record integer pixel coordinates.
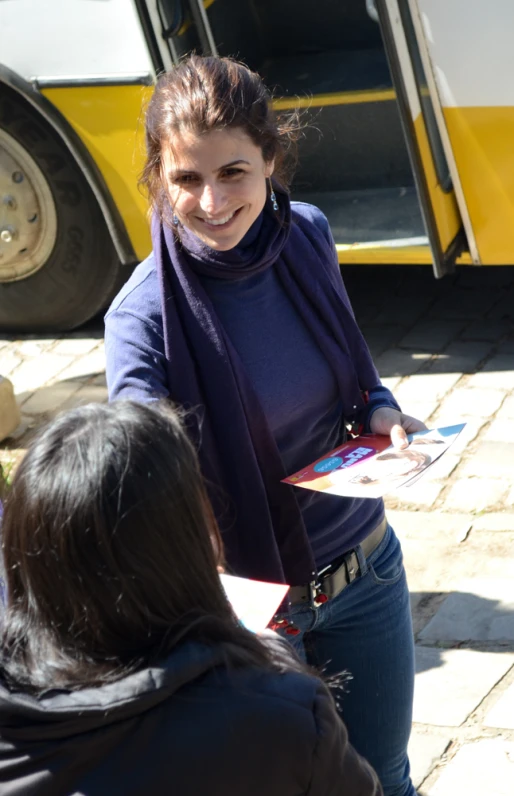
(269, 168)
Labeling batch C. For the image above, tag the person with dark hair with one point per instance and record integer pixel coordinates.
(240, 315)
(123, 668)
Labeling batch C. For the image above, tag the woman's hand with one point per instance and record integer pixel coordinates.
(386, 420)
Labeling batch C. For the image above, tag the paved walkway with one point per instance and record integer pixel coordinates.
(447, 350)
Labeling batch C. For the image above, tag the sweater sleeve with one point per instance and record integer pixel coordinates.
(337, 769)
(134, 357)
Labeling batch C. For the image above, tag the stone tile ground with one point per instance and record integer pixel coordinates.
(446, 348)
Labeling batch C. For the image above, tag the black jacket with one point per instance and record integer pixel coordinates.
(189, 727)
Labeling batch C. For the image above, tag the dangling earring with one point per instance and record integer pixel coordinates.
(175, 220)
(272, 196)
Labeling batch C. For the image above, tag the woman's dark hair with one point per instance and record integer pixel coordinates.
(202, 94)
(111, 552)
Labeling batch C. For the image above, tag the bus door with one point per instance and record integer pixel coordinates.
(437, 181)
(468, 49)
(371, 156)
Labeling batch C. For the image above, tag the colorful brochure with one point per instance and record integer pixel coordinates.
(369, 466)
(255, 602)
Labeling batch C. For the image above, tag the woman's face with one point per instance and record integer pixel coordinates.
(216, 184)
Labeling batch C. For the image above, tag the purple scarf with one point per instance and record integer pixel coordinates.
(266, 539)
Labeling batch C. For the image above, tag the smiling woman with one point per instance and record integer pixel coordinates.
(240, 315)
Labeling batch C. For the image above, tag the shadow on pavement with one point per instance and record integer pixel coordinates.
(460, 620)
(414, 323)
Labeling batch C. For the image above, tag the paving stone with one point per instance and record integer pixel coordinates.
(100, 380)
(88, 394)
(415, 598)
(503, 308)
(479, 609)
(49, 399)
(497, 522)
(426, 387)
(450, 684)
(422, 410)
(391, 382)
(34, 373)
(8, 362)
(26, 423)
(485, 768)
(426, 525)
(471, 304)
(404, 311)
(486, 555)
(422, 493)
(366, 310)
(475, 494)
(75, 346)
(497, 373)
(396, 362)
(87, 366)
(491, 460)
(472, 402)
(459, 357)
(34, 347)
(425, 749)
(507, 346)
(499, 276)
(500, 430)
(507, 408)
(382, 337)
(486, 330)
(431, 335)
(501, 714)
(419, 281)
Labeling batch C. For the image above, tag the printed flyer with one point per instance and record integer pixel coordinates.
(255, 603)
(369, 466)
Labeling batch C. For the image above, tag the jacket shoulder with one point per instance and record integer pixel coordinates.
(305, 214)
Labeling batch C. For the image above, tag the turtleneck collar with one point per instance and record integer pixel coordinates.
(259, 248)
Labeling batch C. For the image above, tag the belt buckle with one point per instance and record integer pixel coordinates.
(316, 596)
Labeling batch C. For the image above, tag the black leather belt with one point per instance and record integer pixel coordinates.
(334, 578)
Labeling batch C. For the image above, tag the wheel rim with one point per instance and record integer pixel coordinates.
(28, 218)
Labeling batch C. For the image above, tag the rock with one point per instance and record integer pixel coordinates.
(9, 412)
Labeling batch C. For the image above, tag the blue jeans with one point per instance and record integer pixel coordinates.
(367, 631)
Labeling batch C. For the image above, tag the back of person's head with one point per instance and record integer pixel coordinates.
(110, 551)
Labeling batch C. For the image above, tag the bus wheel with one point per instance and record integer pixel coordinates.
(58, 266)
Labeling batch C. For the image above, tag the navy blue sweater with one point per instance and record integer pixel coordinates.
(291, 377)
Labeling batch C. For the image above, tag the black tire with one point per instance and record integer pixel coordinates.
(82, 271)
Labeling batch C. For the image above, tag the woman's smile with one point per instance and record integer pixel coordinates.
(224, 221)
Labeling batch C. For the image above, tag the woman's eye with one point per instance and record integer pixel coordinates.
(233, 172)
(186, 179)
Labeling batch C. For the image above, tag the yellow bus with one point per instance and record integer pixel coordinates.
(409, 106)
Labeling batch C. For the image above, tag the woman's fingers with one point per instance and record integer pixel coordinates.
(399, 437)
